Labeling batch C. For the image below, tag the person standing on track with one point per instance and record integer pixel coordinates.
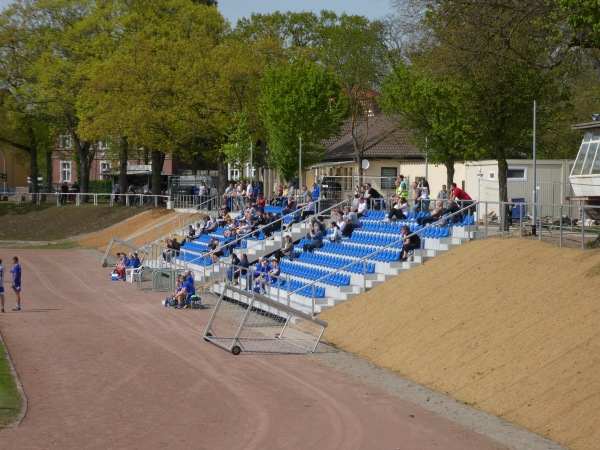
(16, 282)
(1, 286)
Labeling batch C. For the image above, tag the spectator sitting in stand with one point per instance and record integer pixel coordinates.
(362, 207)
(260, 274)
(191, 232)
(349, 214)
(217, 250)
(348, 228)
(244, 228)
(287, 249)
(341, 223)
(436, 214)
(197, 233)
(223, 217)
(322, 225)
(399, 211)
(309, 206)
(260, 203)
(229, 243)
(270, 277)
(316, 239)
(176, 247)
(290, 206)
(412, 242)
(210, 226)
(336, 234)
(452, 208)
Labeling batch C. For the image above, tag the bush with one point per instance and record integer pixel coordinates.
(101, 186)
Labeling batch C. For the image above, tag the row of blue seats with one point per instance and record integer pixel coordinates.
(318, 258)
(293, 285)
(377, 239)
(273, 209)
(302, 271)
(357, 251)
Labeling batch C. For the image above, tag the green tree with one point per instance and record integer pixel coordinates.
(237, 148)
(584, 17)
(156, 87)
(353, 48)
(300, 100)
(429, 111)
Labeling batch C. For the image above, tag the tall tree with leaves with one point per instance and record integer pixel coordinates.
(155, 88)
(353, 48)
(300, 100)
(429, 110)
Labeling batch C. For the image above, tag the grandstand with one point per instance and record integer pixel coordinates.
(314, 282)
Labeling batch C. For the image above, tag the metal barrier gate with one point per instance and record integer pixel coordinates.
(163, 280)
(261, 325)
(121, 246)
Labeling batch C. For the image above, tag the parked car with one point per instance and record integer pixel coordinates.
(331, 192)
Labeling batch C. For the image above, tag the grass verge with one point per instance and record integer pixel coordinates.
(10, 400)
(48, 222)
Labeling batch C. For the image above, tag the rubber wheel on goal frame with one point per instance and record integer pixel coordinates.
(207, 335)
(236, 350)
(104, 264)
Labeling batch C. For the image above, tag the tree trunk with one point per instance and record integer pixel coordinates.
(158, 159)
(34, 171)
(123, 158)
(49, 170)
(85, 154)
(503, 189)
(449, 172)
(222, 169)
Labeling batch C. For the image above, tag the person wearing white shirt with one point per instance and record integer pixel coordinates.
(362, 207)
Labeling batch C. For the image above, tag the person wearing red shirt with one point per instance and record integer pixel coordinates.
(462, 198)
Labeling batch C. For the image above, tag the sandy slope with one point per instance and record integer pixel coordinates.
(510, 326)
(128, 227)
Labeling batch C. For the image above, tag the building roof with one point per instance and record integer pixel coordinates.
(384, 140)
(586, 126)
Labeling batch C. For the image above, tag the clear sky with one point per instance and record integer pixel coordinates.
(236, 9)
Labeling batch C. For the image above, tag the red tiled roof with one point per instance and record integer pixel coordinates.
(384, 140)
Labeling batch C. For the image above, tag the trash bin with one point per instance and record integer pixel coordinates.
(518, 210)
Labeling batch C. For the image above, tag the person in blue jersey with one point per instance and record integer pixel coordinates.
(2, 269)
(185, 291)
(16, 282)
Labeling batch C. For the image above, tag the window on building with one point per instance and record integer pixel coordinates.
(104, 170)
(65, 141)
(388, 177)
(104, 145)
(516, 173)
(65, 171)
(588, 158)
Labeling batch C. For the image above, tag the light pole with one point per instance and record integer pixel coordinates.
(251, 164)
(534, 215)
(300, 164)
(479, 177)
(426, 159)
(4, 171)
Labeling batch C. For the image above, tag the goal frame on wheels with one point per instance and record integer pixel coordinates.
(245, 321)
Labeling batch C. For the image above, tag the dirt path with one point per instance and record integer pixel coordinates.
(105, 366)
